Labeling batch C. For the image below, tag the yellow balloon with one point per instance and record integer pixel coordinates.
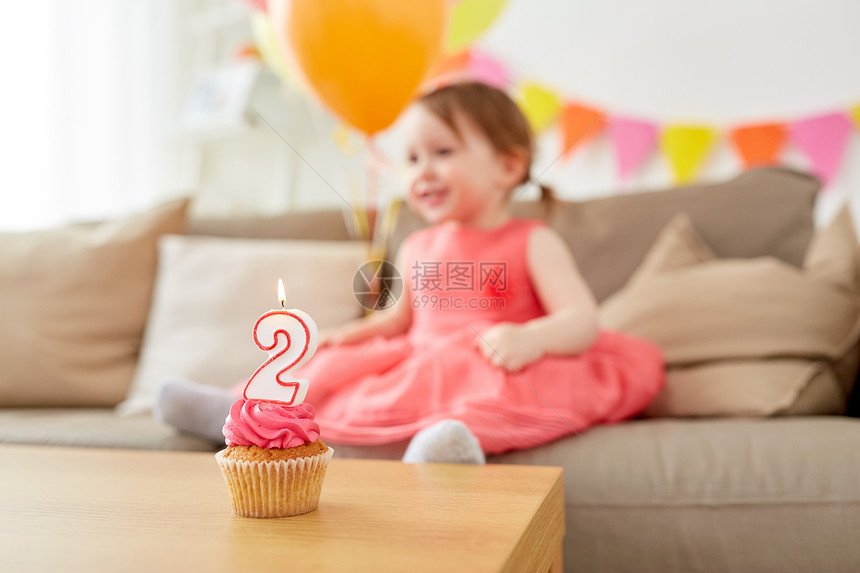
(686, 147)
(468, 19)
(365, 59)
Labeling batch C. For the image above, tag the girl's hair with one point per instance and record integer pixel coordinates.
(493, 112)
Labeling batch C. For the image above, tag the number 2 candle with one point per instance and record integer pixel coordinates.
(290, 338)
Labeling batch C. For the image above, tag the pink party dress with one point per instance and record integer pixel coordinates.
(461, 281)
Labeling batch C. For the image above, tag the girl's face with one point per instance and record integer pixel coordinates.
(453, 177)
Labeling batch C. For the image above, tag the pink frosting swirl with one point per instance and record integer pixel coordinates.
(270, 425)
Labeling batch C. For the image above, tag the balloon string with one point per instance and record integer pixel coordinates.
(385, 210)
(373, 203)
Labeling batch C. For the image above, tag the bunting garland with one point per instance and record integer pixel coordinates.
(486, 69)
(822, 139)
(686, 147)
(579, 124)
(540, 105)
(759, 145)
(633, 140)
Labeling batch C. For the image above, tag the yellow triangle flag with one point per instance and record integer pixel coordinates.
(540, 105)
(855, 115)
(685, 147)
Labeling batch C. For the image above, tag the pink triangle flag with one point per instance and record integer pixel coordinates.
(823, 139)
(485, 68)
(634, 141)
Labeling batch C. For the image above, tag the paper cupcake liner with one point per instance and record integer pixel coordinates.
(274, 488)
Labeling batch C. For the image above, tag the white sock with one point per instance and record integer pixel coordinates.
(193, 408)
(448, 441)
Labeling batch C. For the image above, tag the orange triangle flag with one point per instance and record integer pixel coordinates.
(447, 69)
(759, 144)
(579, 124)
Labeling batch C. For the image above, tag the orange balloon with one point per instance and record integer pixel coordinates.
(365, 58)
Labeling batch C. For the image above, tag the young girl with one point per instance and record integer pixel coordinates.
(494, 344)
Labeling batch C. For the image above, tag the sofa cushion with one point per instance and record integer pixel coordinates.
(702, 495)
(765, 211)
(325, 225)
(751, 337)
(209, 291)
(74, 303)
(92, 428)
(778, 494)
(832, 257)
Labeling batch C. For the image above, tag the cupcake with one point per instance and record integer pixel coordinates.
(274, 463)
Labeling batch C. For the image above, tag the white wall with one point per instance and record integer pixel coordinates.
(87, 109)
(719, 63)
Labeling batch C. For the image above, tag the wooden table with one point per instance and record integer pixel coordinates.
(94, 510)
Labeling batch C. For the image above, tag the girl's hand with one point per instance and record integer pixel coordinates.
(509, 346)
(328, 337)
(336, 336)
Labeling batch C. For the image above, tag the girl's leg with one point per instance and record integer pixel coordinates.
(197, 409)
(448, 441)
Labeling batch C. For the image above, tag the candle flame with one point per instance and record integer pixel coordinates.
(281, 295)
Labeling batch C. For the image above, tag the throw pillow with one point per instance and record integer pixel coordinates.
(750, 337)
(74, 306)
(324, 225)
(209, 291)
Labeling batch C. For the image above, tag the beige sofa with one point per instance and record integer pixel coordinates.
(760, 474)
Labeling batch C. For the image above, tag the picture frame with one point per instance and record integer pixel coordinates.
(218, 100)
